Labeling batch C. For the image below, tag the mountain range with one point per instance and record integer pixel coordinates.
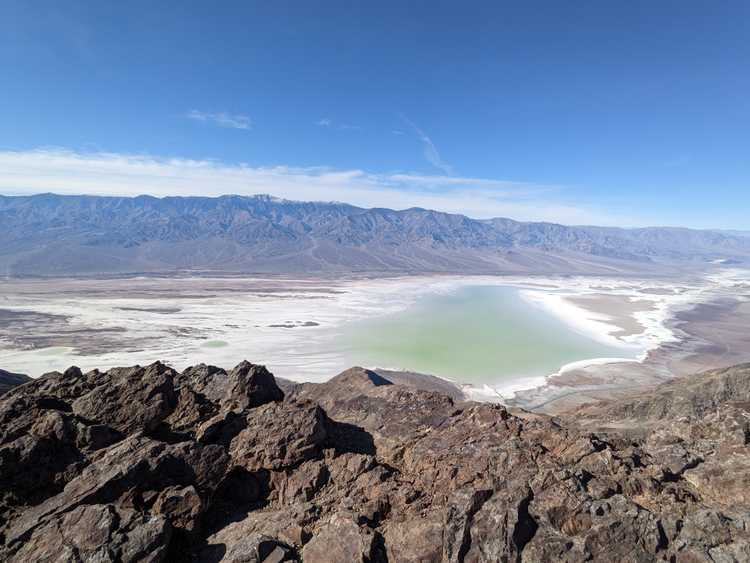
(55, 235)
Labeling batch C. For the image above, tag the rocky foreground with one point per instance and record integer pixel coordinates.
(147, 464)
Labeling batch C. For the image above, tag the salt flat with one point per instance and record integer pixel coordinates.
(301, 328)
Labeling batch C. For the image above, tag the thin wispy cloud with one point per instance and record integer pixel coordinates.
(222, 119)
(69, 172)
(330, 124)
(428, 147)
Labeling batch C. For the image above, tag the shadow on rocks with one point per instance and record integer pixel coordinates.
(349, 438)
(239, 493)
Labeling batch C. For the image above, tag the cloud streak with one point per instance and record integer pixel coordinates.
(68, 172)
(428, 147)
(222, 119)
(330, 124)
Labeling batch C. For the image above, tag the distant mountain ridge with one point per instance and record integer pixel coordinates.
(737, 233)
(50, 234)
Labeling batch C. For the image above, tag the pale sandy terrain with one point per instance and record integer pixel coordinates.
(622, 310)
(709, 335)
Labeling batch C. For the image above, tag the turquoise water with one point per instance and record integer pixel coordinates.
(473, 335)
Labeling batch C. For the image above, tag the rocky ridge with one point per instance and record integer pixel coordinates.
(148, 464)
(54, 235)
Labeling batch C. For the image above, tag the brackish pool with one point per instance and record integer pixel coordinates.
(474, 335)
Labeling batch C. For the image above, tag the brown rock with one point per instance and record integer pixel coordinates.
(143, 464)
(96, 533)
(130, 399)
(340, 540)
(249, 386)
(182, 506)
(279, 435)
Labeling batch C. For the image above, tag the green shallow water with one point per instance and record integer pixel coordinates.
(473, 335)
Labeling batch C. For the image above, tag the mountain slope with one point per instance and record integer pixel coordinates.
(10, 380)
(59, 235)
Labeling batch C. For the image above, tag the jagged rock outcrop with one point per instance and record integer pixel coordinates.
(697, 428)
(147, 464)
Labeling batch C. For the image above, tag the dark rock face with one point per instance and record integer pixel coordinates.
(147, 464)
(10, 380)
(129, 400)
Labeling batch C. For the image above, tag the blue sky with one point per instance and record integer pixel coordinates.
(609, 112)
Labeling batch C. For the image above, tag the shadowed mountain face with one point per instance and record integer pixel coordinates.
(148, 464)
(10, 380)
(59, 235)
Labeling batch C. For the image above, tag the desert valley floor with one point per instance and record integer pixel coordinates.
(601, 336)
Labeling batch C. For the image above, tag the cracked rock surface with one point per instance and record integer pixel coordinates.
(147, 464)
